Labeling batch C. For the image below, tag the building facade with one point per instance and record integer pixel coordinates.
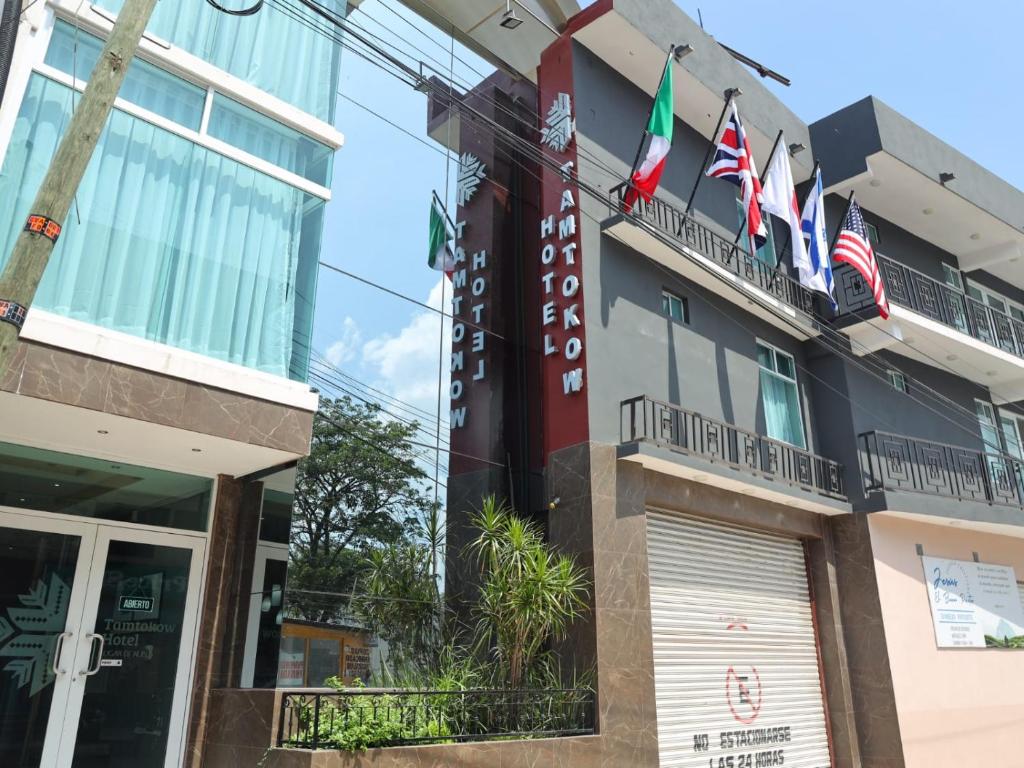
(157, 405)
(803, 528)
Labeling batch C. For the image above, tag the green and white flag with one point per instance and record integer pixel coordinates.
(439, 255)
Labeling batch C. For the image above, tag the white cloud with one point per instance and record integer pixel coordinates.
(344, 350)
(405, 364)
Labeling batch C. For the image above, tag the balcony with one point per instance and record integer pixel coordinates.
(669, 438)
(940, 325)
(948, 480)
(695, 251)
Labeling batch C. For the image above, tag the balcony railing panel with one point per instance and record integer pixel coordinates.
(933, 299)
(646, 419)
(678, 227)
(321, 719)
(900, 463)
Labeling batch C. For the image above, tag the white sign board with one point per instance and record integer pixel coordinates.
(974, 605)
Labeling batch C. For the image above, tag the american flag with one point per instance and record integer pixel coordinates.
(734, 162)
(854, 248)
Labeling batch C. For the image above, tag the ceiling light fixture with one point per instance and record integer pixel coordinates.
(975, 236)
(102, 432)
(928, 211)
(509, 20)
(875, 182)
(197, 450)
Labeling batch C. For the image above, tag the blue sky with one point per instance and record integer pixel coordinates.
(942, 64)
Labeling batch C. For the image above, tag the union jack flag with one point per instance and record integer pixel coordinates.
(854, 248)
(734, 162)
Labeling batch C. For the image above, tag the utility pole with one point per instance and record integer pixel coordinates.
(24, 270)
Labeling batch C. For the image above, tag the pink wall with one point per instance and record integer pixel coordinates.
(958, 708)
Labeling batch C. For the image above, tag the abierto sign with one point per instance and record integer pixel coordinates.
(974, 605)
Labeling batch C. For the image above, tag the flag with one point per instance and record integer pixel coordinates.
(854, 248)
(439, 255)
(734, 162)
(779, 198)
(645, 180)
(815, 268)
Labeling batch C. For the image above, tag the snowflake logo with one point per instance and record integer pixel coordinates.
(471, 173)
(560, 125)
(28, 633)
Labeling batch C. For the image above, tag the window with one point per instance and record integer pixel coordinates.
(898, 381)
(274, 50)
(675, 307)
(952, 276)
(987, 424)
(75, 52)
(176, 243)
(780, 396)
(872, 233)
(766, 253)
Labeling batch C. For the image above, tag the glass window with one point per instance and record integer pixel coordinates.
(987, 425)
(32, 478)
(148, 86)
(953, 277)
(780, 396)
(324, 660)
(898, 380)
(273, 50)
(268, 139)
(766, 253)
(276, 518)
(176, 243)
(675, 307)
(268, 638)
(872, 233)
(291, 669)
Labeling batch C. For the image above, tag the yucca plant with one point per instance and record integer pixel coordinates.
(529, 595)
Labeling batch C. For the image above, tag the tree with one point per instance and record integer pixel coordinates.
(358, 491)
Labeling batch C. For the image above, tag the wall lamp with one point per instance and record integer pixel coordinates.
(946, 177)
(681, 51)
(796, 148)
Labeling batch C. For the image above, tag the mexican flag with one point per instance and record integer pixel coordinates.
(439, 255)
(645, 180)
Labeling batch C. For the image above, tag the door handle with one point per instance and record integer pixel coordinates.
(93, 637)
(58, 649)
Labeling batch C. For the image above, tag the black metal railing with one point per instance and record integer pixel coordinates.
(644, 418)
(684, 230)
(321, 719)
(900, 463)
(935, 300)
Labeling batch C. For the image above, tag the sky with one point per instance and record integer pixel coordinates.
(943, 64)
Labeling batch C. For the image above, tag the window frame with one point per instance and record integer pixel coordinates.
(898, 380)
(776, 351)
(769, 245)
(667, 297)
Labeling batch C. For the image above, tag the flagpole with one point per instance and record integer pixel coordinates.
(730, 94)
(444, 209)
(767, 170)
(842, 221)
(789, 236)
(650, 113)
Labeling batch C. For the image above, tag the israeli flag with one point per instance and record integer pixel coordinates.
(816, 268)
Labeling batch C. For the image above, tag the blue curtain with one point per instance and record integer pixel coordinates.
(270, 49)
(782, 410)
(176, 243)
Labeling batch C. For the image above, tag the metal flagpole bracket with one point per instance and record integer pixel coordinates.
(12, 312)
(43, 225)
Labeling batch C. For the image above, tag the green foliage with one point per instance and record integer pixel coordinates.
(1004, 642)
(359, 490)
(529, 595)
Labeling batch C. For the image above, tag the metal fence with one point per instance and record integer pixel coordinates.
(321, 719)
(644, 418)
(684, 230)
(933, 299)
(899, 463)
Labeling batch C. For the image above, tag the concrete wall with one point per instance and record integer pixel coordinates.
(957, 707)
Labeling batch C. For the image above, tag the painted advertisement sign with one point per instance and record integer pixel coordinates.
(974, 605)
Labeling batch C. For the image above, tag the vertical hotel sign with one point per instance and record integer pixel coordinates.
(559, 262)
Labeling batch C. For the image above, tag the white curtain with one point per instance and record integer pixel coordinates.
(176, 243)
(782, 409)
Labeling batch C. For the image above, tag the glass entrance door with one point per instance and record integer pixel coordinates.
(45, 568)
(97, 628)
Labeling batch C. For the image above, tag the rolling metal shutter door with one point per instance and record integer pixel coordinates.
(735, 658)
